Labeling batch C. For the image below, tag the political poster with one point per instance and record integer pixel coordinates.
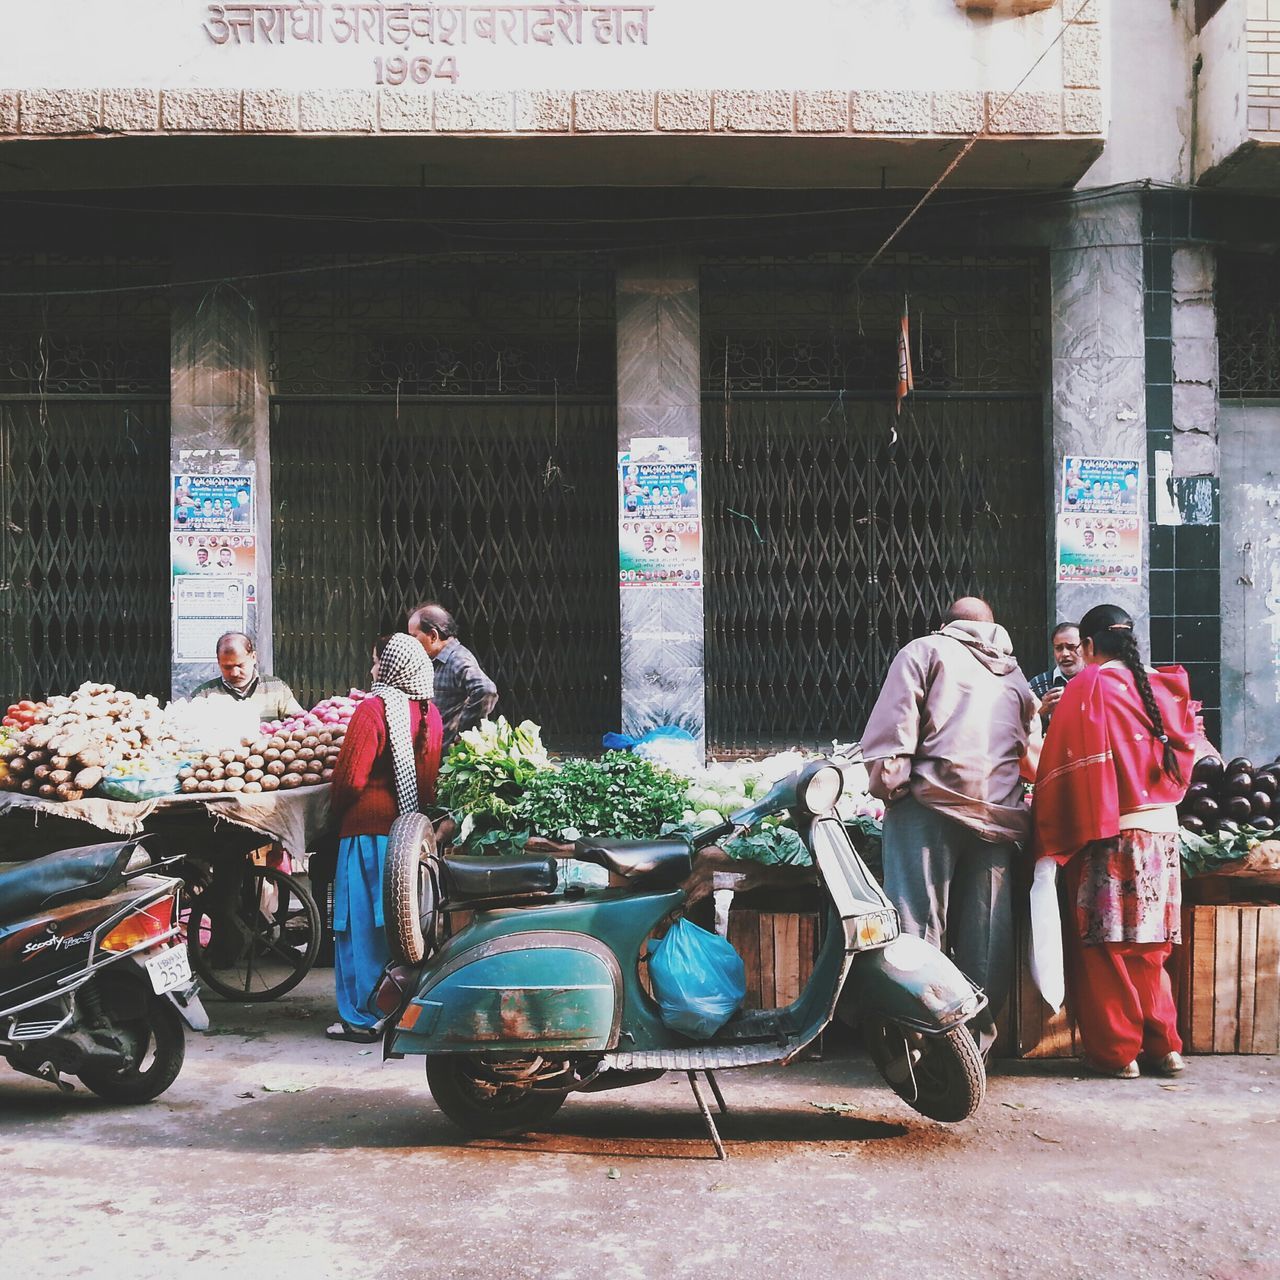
(1101, 550)
(1101, 486)
(212, 503)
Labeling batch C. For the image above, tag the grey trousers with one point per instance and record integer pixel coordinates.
(954, 890)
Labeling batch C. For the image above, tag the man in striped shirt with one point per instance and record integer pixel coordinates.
(1048, 685)
(464, 695)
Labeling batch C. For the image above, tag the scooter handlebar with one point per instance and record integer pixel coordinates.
(711, 834)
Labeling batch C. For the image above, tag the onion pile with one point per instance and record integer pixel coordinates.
(1237, 791)
(280, 761)
(333, 713)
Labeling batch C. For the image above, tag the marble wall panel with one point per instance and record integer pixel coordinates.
(663, 675)
(1098, 400)
(1097, 302)
(218, 400)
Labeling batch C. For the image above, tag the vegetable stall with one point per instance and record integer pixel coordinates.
(236, 804)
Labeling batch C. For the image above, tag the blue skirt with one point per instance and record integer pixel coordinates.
(359, 940)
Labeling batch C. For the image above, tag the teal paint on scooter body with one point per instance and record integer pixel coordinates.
(911, 983)
(545, 974)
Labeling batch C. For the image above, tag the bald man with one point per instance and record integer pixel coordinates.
(944, 742)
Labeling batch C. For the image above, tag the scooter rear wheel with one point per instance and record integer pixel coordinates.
(159, 1042)
(940, 1076)
(483, 1107)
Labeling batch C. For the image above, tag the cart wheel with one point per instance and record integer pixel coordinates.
(265, 946)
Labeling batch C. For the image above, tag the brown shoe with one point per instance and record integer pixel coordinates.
(1128, 1072)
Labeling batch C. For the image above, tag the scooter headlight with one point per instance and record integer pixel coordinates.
(823, 790)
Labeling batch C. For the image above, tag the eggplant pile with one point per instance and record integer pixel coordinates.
(1238, 792)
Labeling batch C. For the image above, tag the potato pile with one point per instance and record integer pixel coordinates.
(279, 762)
(95, 728)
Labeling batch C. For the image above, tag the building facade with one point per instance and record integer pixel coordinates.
(470, 302)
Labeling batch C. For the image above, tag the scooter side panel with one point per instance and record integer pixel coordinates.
(49, 944)
(556, 996)
(553, 956)
(912, 982)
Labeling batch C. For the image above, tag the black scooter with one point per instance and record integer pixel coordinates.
(94, 976)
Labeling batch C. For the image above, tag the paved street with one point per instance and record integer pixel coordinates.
(279, 1154)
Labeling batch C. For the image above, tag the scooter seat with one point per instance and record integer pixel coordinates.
(471, 879)
(656, 864)
(91, 871)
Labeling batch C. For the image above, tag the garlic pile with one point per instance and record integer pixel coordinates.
(95, 729)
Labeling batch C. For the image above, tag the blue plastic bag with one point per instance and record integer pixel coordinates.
(698, 980)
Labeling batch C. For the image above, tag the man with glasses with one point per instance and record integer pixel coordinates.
(1048, 685)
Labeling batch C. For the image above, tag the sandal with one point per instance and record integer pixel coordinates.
(357, 1035)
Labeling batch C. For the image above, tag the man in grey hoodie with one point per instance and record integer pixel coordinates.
(944, 744)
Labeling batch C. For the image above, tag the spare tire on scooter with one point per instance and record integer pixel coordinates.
(409, 894)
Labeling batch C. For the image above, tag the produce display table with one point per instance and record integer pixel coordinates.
(291, 819)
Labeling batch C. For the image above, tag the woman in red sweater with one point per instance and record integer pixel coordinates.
(388, 765)
(1114, 767)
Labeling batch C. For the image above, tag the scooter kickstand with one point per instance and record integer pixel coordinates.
(715, 1088)
(707, 1118)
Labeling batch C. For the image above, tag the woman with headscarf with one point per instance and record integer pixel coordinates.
(387, 767)
(1115, 765)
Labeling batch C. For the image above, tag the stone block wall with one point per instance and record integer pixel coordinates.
(1262, 33)
(1074, 112)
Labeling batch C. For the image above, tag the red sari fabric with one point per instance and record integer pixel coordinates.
(1119, 993)
(1101, 760)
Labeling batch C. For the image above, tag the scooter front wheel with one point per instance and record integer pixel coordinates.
(941, 1076)
(483, 1105)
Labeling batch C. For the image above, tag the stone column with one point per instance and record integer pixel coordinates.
(1099, 368)
(658, 396)
(219, 402)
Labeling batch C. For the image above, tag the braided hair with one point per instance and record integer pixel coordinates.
(1111, 631)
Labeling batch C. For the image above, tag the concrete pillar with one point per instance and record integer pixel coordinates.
(1099, 370)
(659, 398)
(1250, 437)
(220, 422)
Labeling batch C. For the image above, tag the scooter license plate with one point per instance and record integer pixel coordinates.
(169, 969)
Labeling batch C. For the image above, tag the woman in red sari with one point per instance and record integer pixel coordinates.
(1115, 765)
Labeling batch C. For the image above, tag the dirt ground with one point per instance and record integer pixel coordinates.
(279, 1154)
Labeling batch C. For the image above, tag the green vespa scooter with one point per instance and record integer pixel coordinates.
(540, 994)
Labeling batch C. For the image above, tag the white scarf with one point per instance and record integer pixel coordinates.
(404, 672)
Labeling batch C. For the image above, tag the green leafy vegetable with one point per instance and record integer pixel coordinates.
(772, 845)
(488, 769)
(1204, 853)
(617, 795)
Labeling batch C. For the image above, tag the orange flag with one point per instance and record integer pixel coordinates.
(906, 383)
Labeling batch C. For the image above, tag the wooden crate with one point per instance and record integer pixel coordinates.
(777, 950)
(1229, 979)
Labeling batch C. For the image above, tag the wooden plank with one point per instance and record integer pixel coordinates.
(1266, 988)
(786, 959)
(1226, 980)
(1180, 977)
(1246, 985)
(808, 949)
(767, 987)
(744, 934)
(1203, 921)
